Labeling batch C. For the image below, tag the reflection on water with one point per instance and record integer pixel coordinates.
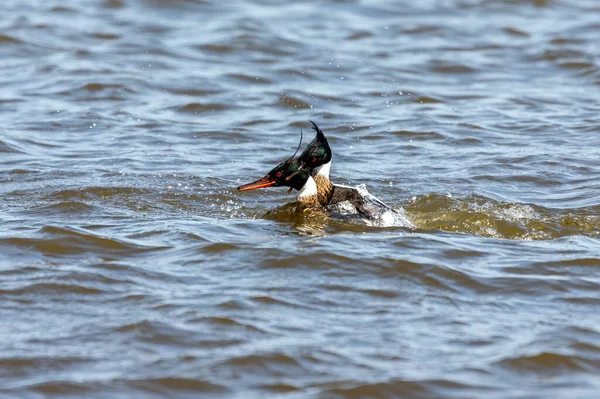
(131, 266)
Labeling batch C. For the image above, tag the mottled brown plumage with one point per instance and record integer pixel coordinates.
(324, 189)
(310, 204)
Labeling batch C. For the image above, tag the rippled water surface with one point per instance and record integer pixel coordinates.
(130, 267)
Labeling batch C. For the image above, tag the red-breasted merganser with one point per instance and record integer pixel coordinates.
(309, 174)
(345, 200)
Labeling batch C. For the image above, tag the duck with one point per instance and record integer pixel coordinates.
(309, 175)
(343, 199)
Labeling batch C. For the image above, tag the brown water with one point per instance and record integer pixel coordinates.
(130, 267)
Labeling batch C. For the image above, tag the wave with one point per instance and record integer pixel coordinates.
(64, 241)
(487, 217)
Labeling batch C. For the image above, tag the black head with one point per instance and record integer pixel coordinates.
(317, 153)
(287, 173)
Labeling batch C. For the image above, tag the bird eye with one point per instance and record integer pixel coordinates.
(314, 160)
(278, 174)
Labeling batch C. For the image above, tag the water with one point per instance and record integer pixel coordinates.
(132, 268)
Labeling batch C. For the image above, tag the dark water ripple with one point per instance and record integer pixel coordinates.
(131, 267)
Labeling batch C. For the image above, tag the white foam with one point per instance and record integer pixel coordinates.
(344, 208)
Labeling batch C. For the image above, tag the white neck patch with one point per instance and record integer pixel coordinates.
(323, 170)
(309, 189)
